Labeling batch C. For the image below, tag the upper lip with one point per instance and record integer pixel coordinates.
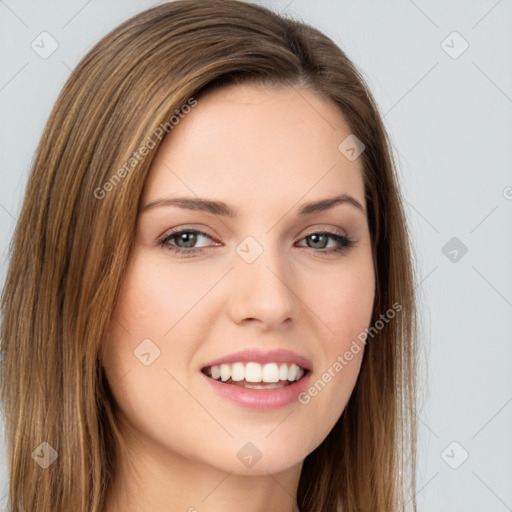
(262, 357)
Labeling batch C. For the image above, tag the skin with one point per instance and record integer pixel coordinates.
(265, 152)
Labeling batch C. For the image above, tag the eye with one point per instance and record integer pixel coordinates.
(319, 240)
(184, 241)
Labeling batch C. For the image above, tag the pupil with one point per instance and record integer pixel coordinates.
(313, 237)
(188, 238)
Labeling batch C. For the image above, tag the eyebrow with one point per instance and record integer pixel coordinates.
(221, 208)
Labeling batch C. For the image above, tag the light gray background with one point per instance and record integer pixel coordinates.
(450, 120)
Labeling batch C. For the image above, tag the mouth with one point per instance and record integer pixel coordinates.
(252, 375)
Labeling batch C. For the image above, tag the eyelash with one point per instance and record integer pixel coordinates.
(344, 241)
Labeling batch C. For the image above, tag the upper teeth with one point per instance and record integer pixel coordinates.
(255, 372)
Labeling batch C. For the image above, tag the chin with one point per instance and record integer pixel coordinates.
(261, 456)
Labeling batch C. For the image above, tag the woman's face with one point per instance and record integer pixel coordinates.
(257, 293)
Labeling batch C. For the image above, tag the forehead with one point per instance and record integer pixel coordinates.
(253, 145)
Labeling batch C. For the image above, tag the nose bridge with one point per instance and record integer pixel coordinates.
(262, 288)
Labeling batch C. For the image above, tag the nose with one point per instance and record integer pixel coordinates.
(263, 291)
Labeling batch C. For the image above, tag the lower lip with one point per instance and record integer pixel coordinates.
(263, 399)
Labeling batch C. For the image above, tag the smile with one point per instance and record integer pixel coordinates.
(259, 379)
(254, 375)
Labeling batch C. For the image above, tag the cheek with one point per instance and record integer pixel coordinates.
(147, 319)
(155, 297)
(155, 311)
(343, 302)
(141, 317)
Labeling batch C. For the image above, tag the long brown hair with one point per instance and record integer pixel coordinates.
(74, 236)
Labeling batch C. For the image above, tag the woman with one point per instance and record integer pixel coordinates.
(210, 293)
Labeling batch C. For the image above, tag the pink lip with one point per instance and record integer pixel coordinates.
(262, 357)
(262, 399)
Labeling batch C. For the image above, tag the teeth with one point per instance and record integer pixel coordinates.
(225, 372)
(270, 373)
(255, 372)
(264, 386)
(237, 372)
(215, 372)
(292, 372)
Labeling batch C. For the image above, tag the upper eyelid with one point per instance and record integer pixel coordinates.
(202, 230)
